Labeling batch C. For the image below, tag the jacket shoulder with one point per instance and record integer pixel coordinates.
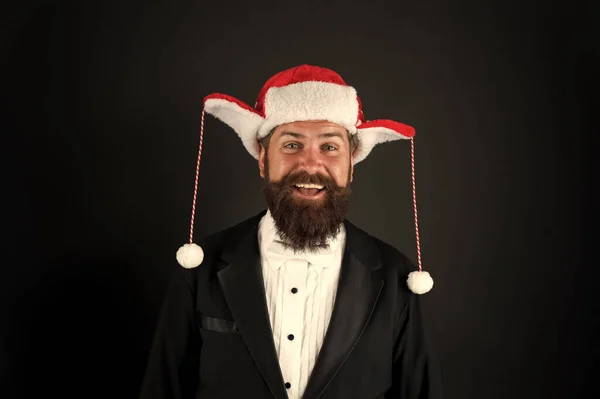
(389, 256)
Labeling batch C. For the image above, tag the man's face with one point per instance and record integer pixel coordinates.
(307, 170)
(315, 147)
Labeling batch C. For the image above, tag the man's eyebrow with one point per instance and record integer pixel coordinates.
(287, 133)
(300, 135)
(332, 134)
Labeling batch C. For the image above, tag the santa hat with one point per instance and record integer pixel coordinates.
(303, 93)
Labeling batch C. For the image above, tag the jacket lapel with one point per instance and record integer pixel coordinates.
(243, 286)
(357, 295)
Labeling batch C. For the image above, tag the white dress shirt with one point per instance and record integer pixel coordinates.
(300, 292)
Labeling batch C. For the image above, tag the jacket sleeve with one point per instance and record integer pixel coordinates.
(416, 370)
(173, 363)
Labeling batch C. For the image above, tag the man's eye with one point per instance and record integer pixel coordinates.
(330, 148)
(291, 146)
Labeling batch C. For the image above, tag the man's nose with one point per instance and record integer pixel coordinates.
(311, 160)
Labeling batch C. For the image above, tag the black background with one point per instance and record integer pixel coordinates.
(101, 105)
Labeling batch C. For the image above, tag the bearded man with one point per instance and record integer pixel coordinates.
(296, 301)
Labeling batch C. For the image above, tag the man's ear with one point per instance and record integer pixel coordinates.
(261, 161)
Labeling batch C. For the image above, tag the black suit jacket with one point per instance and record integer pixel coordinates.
(214, 339)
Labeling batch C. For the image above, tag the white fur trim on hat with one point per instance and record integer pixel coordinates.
(304, 101)
(310, 101)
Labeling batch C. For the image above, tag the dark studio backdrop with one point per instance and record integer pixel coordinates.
(101, 106)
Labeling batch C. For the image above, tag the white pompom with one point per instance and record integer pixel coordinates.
(419, 282)
(190, 256)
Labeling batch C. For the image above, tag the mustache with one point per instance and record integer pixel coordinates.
(303, 177)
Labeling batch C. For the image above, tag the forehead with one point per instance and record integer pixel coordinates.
(310, 128)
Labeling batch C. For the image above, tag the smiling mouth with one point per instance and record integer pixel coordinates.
(309, 190)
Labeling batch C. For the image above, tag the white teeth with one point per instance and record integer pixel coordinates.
(309, 186)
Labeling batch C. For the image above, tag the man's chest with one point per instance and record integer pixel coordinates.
(300, 301)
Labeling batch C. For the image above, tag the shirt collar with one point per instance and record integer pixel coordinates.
(275, 254)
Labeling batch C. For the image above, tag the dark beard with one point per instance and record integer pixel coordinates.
(306, 225)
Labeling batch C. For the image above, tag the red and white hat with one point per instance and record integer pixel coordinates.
(302, 93)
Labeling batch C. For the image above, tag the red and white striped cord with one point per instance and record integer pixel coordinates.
(414, 193)
(196, 182)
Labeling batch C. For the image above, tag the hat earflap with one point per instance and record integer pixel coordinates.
(241, 117)
(379, 131)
